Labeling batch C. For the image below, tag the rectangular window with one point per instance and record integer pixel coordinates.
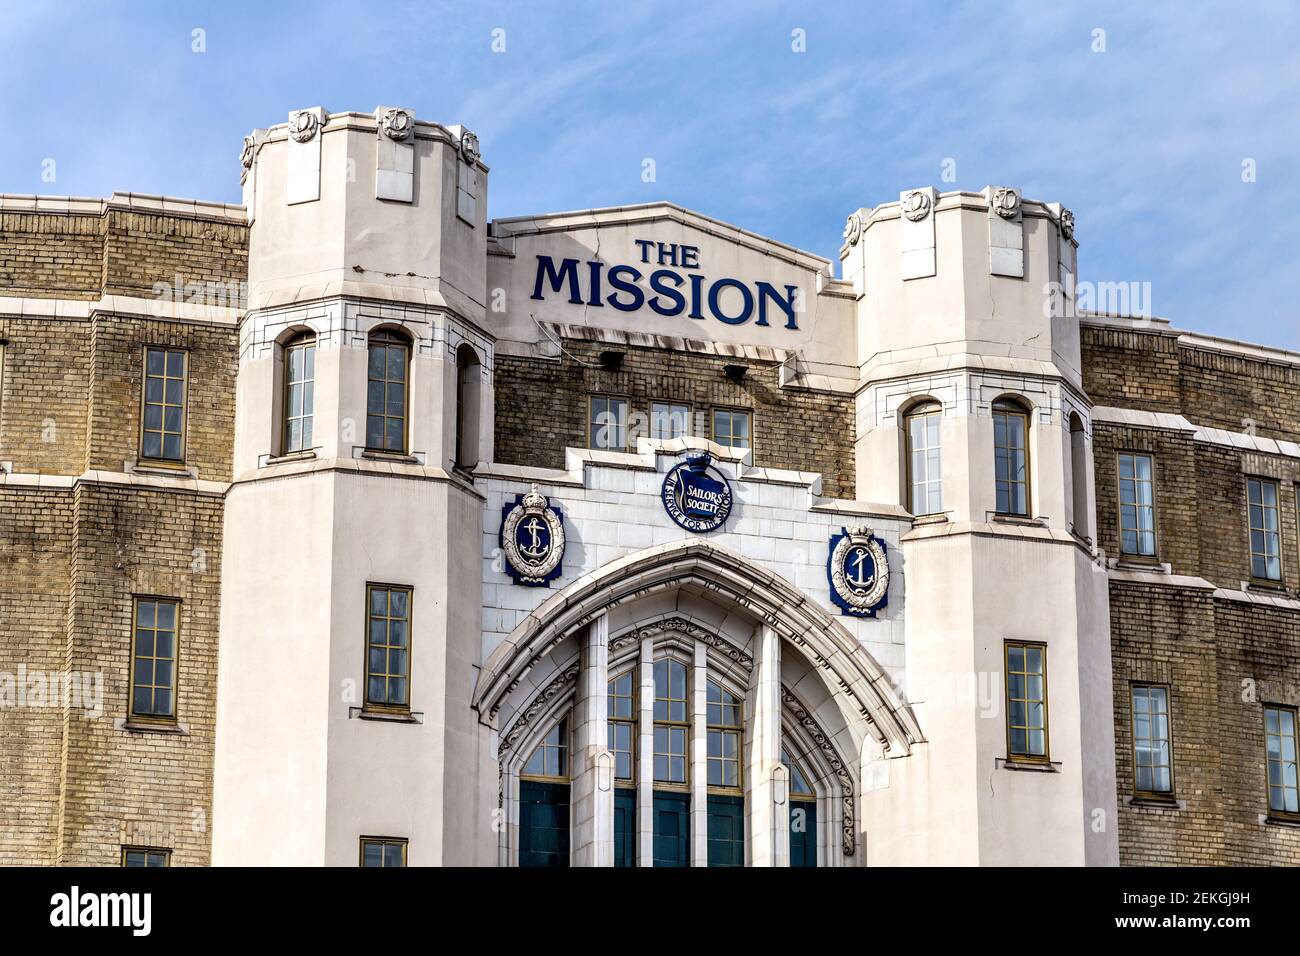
(607, 423)
(1026, 701)
(153, 659)
(146, 856)
(162, 425)
(669, 420)
(672, 721)
(724, 729)
(623, 726)
(383, 851)
(1153, 764)
(1137, 505)
(1280, 751)
(1265, 540)
(388, 647)
(731, 428)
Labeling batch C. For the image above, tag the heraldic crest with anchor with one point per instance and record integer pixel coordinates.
(858, 570)
(532, 538)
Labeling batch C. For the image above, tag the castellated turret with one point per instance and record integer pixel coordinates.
(364, 399)
(968, 342)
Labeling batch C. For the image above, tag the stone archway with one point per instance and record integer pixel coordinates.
(731, 619)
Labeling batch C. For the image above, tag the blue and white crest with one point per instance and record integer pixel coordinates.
(696, 496)
(858, 571)
(532, 539)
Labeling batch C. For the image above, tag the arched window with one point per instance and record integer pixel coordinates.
(1011, 457)
(544, 801)
(1079, 476)
(803, 814)
(924, 462)
(299, 392)
(387, 391)
(468, 378)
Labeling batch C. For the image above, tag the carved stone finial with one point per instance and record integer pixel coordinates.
(853, 228)
(1067, 223)
(469, 146)
(397, 124)
(916, 205)
(303, 126)
(1006, 202)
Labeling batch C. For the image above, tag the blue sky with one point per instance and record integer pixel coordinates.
(1144, 141)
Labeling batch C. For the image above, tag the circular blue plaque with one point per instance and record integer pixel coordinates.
(697, 497)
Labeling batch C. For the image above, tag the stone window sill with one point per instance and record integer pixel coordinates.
(162, 469)
(1155, 802)
(1016, 520)
(940, 518)
(393, 717)
(1266, 587)
(388, 456)
(308, 455)
(175, 728)
(1032, 766)
(1290, 823)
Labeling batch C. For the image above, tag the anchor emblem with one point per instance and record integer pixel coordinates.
(860, 579)
(857, 569)
(532, 539)
(537, 548)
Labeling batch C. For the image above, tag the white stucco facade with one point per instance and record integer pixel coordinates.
(376, 224)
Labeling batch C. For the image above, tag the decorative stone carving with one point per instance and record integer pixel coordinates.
(469, 146)
(1006, 202)
(532, 536)
(916, 205)
(853, 228)
(303, 126)
(697, 633)
(397, 124)
(858, 568)
(537, 705)
(804, 718)
(246, 154)
(1067, 223)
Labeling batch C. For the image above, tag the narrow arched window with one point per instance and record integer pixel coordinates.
(803, 813)
(544, 801)
(1011, 457)
(299, 392)
(924, 461)
(387, 391)
(1079, 477)
(468, 377)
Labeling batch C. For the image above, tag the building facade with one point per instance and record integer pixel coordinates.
(348, 526)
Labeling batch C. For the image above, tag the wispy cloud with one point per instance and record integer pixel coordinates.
(1145, 141)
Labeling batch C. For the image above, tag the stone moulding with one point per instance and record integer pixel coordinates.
(804, 718)
(731, 580)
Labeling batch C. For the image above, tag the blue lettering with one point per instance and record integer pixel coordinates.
(568, 271)
(593, 296)
(659, 283)
(697, 281)
(616, 280)
(746, 296)
(767, 291)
